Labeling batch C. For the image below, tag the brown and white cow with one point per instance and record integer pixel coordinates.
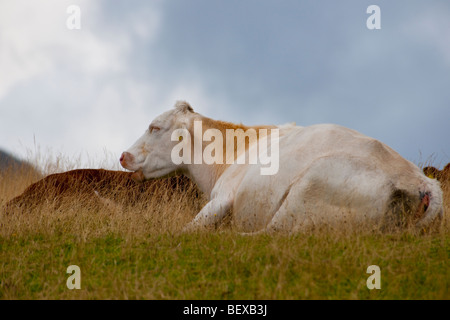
(96, 186)
(321, 174)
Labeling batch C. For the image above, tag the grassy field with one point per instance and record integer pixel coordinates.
(139, 252)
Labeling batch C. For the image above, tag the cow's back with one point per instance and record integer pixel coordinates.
(87, 186)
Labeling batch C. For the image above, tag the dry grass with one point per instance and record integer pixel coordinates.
(139, 252)
(164, 211)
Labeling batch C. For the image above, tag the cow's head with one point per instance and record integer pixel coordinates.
(150, 156)
(441, 175)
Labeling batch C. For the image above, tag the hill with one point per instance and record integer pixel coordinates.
(11, 164)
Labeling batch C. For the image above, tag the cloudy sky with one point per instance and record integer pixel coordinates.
(87, 94)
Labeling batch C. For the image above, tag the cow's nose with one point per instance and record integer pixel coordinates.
(125, 157)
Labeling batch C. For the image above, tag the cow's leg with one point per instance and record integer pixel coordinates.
(213, 212)
(313, 200)
(293, 212)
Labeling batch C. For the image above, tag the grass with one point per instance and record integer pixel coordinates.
(139, 252)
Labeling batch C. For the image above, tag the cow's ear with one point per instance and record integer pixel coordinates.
(184, 107)
(430, 172)
(446, 168)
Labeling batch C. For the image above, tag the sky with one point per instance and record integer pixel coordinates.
(85, 95)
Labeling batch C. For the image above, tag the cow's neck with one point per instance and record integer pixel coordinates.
(206, 175)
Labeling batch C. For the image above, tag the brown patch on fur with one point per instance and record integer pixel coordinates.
(222, 126)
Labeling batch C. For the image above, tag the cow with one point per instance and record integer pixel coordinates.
(94, 186)
(326, 174)
(441, 175)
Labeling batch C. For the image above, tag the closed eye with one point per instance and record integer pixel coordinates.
(154, 129)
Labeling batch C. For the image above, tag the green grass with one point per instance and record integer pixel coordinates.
(225, 265)
(139, 252)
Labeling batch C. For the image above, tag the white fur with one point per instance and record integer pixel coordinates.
(326, 173)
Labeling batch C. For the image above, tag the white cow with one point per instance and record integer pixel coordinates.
(326, 173)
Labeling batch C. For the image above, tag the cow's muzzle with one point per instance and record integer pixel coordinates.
(126, 159)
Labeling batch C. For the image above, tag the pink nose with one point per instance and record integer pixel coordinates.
(126, 158)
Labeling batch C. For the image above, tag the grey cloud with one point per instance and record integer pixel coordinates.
(272, 62)
(312, 62)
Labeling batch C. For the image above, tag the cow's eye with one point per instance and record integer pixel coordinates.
(154, 129)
